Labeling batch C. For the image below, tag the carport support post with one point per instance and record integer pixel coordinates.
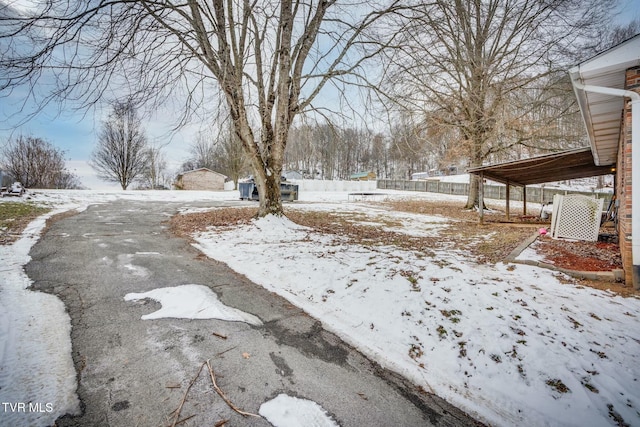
(481, 197)
(524, 200)
(635, 190)
(508, 197)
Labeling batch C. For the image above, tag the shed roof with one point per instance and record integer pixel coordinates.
(200, 170)
(559, 166)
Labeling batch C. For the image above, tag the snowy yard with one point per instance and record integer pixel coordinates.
(509, 344)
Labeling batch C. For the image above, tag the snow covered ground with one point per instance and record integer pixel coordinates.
(509, 344)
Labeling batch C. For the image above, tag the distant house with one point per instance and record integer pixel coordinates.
(200, 179)
(363, 176)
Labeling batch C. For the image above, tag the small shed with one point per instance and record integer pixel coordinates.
(363, 176)
(200, 179)
(292, 175)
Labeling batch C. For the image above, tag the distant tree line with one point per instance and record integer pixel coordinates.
(36, 163)
(451, 81)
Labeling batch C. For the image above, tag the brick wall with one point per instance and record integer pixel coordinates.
(624, 182)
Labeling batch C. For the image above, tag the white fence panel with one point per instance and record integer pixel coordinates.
(576, 217)
(330, 185)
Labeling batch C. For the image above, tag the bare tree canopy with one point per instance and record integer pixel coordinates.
(268, 59)
(121, 153)
(154, 175)
(482, 67)
(218, 149)
(36, 163)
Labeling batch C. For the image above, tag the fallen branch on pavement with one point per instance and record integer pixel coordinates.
(184, 398)
(224, 337)
(219, 391)
(184, 420)
(227, 350)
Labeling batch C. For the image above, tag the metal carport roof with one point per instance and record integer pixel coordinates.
(559, 166)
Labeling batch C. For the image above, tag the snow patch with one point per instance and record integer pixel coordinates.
(274, 224)
(35, 342)
(509, 344)
(287, 411)
(191, 302)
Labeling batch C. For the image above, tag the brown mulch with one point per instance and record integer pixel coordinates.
(581, 256)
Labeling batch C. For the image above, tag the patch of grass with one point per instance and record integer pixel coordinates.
(616, 417)
(416, 349)
(574, 322)
(452, 315)
(601, 354)
(412, 278)
(489, 243)
(518, 331)
(462, 349)
(590, 387)
(415, 352)
(521, 371)
(364, 233)
(558, 385)
(14, 217)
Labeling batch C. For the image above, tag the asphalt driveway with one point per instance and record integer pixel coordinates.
(134, 372)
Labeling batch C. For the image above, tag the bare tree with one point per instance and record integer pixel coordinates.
(609, 36)
(379, 161)
(469, 62)
(231, 157)
(36, 163)
(154, 174)
(218, 149)
(301, 154)
(203, 151)
(120, 155)
(269, 60)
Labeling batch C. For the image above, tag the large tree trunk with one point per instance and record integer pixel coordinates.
(267, 168)
(473, 199)
(269, 193)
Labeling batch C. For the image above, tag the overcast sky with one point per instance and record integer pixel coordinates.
(76, 133)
